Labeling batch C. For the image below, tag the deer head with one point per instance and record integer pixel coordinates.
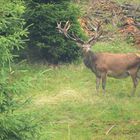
(85, 45)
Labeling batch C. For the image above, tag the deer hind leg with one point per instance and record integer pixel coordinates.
(135, 83)
(133, 74)
(98, 79)
(103, 76)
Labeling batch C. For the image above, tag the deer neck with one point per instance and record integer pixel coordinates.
(88, 53)
(89, 56)
(90, 60)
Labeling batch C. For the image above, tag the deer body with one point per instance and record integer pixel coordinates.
(106, 64)
(113, 65)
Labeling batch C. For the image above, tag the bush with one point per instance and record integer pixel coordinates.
(45, 41)
(13, 126)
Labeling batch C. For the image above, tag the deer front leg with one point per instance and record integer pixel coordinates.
(103, 76)
(98, 79)
(133, 74)
(135, 83)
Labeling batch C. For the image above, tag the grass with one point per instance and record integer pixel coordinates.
(114, 46)
(65, 104)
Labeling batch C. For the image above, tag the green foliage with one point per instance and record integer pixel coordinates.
(17, 126)
(11, 29)
(13, 125)
(44, 37)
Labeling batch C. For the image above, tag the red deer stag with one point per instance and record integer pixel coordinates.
(119, 65)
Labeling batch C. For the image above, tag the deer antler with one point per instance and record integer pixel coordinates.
(64, 31)
(96, 26)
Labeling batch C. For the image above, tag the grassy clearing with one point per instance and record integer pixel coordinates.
(65, 104)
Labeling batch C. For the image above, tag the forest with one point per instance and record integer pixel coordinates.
(46, 91)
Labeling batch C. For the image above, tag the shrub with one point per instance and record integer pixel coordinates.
(45, 41)
(13, 126)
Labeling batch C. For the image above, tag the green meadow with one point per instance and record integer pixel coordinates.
(64, 104)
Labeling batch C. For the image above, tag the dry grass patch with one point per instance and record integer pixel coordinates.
(65, 95)
(62, 96)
